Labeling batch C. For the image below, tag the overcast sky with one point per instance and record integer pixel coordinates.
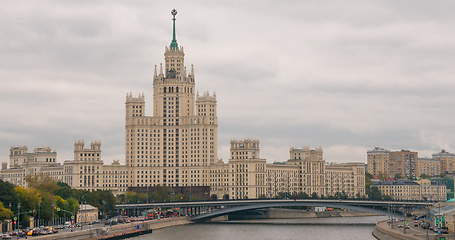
(344, 75)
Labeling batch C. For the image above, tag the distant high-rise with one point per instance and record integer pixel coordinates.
(447, 161)
(390, 164)
(378, 162)
(403, 164)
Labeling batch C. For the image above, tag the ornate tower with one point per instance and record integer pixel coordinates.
(173, 93)
(174, 146)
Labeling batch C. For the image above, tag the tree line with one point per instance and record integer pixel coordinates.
(45, 199)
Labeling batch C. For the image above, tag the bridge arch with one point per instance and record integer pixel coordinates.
(236, 209)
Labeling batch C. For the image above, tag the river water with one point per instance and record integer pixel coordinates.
(272, 229)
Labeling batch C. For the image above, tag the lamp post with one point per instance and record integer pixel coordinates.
(39, 213)
(82, 210)
(18, 215)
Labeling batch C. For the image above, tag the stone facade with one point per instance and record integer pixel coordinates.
(428, 166)
(403, 163)
(42, 161)
(345, 178)
(389, 164)
(378, 162)
(20, 157)
(87, 171)
(311, 168)
(246, 175)
(412, 190)
(407, 164)
(447, 161)
(87, 214)
(175, 145)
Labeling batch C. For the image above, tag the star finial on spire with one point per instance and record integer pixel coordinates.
(174, 44)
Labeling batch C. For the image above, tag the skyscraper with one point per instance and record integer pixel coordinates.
(171, 147)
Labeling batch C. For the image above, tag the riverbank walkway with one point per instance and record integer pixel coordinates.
(387, 231)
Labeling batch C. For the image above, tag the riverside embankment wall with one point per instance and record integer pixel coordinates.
(382, 231)
(280, 213)
(95, 233)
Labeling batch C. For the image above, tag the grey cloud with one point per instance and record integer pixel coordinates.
(343, 75)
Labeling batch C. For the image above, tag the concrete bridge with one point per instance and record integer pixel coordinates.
(205, 210)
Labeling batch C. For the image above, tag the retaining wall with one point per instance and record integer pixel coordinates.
(95, 233)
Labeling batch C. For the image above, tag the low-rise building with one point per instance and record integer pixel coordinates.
(245, 175)
(421, 190)
(42, 161)
(86, 214)
(20, 157)
(448, 181)
(86, 172)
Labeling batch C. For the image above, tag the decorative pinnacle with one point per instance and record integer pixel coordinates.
(174, 44)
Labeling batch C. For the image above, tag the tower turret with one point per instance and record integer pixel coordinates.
(244, 149)
(174, 56)
(135, 106)
(206, 106)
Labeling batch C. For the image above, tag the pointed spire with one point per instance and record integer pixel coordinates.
(161, 69)
(154, 73)
(174, 44)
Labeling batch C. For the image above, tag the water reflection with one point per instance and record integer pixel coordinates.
(266, 230)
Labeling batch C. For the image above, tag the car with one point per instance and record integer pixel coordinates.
(424, 225)
(6, 236)
(440, 230)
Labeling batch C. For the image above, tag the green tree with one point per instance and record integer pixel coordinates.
(65, 191)
(47, 207)
(302, 195)
(42, 183)
(387, 198)
(5, 213)
(29, 198)
(161, 194)
(424, 176)
(374, 193)
(8, 194)
(103, 200)
(368, 181)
